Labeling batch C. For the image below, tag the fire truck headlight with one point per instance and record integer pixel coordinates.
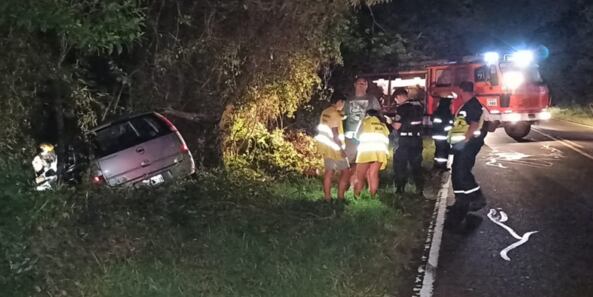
(522, 58)
(491, 58)
(512, 79)
(545, 115)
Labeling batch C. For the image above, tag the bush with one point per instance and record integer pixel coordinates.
(277, 153)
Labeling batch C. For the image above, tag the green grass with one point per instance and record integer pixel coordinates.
(289, 245)
(578, 114)
(219, 234)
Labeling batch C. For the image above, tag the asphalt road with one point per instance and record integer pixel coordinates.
(543, 185)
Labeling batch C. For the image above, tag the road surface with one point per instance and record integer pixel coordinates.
(543, 184)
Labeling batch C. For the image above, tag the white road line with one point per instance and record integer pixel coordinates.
(429, 269)
(566, 143)
(574, 143)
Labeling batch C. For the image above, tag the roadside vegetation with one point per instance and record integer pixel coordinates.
(574, 113)
(219, 233)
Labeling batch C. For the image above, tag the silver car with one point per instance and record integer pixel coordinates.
(144, 149)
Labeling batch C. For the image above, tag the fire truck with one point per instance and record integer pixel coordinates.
(510, 88)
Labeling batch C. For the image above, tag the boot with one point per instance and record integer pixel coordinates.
(455, 215)
(477, 202)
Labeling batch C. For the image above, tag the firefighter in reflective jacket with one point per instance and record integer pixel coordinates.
(371, 156)
(408, 126)
(467, 138)
(441, 125)
(45, 165)
(331, 144)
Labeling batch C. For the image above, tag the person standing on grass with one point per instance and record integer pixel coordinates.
(408, 128)
(373, 138)
(330, 138)
(355, 110)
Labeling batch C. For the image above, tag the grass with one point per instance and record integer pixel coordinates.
(219, 234)
(578, 114)
(289, 244)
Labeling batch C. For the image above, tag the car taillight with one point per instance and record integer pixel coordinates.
(184, 148)
(98, 180)
(167, 122)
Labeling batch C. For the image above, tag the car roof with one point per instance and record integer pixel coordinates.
(120, 120)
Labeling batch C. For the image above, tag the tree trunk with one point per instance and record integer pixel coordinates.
(58, 103)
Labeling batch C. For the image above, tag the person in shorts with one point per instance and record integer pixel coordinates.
(330, 138)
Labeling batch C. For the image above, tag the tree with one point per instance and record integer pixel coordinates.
(66, 33)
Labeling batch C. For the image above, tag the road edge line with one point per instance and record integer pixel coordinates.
(566, 143)
(427, 270)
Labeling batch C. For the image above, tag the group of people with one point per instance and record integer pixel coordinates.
(354, 138)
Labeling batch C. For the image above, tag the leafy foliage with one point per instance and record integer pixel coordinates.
(271, 153)
(205, 235)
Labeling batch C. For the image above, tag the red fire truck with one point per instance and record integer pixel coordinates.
(510, 89)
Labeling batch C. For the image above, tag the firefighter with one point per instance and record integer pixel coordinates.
(45, 165)
(467, 138)
(408, 127)
(442, 122)
(372, 150)
(330, 138)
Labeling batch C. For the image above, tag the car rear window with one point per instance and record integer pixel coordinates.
(124, 134)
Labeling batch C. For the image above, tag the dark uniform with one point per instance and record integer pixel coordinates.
(409, 149)
(468, 195)
(442, 122)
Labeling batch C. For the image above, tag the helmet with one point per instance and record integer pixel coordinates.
(46, 147)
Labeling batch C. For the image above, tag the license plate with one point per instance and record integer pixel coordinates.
(492, 102)
(155, 180)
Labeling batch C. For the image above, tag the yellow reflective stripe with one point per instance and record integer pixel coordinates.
(323, 139)
(327, 131)
(457, 138)
(322, 128)
(373, 137)
(372, 147)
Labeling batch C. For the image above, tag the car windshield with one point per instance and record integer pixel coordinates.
(124, 134)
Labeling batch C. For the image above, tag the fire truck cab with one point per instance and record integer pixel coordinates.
(511, 90)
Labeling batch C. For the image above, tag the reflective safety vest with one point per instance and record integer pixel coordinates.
(325, 136)
(460, 127)
(46, 168)
(441, 128)
(373, 139)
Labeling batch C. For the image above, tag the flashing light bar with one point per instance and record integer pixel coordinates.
(491, 58)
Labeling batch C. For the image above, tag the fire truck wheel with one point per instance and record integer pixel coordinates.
(518, 130)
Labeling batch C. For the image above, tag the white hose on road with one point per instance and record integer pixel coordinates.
(498, 217)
